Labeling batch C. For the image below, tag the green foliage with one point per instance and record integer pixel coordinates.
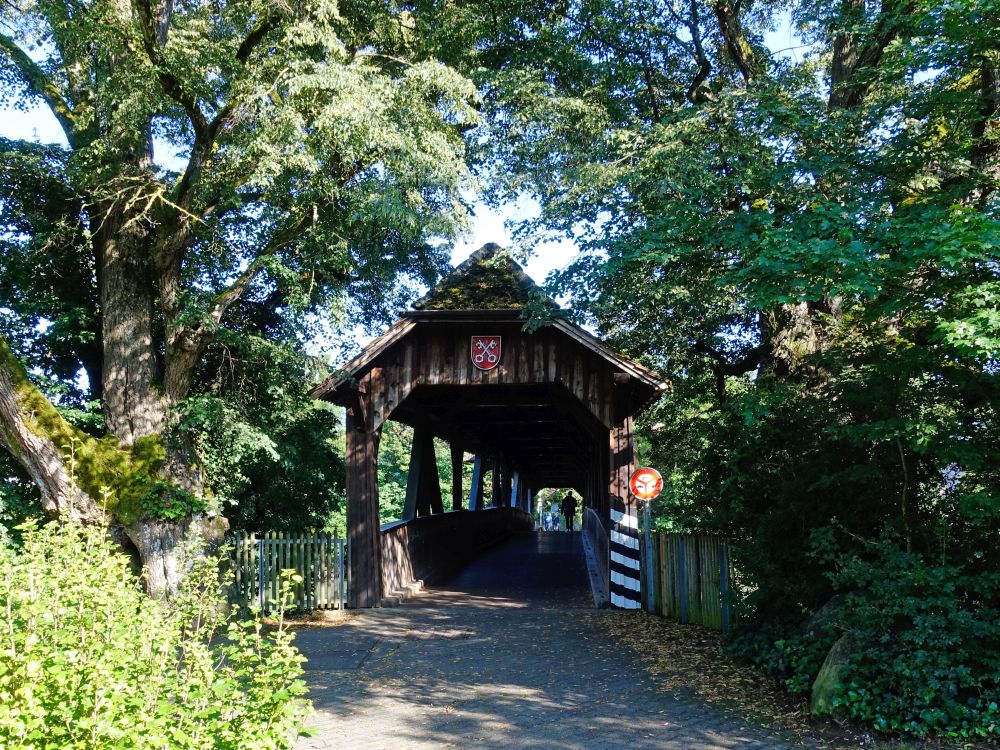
(91, 661)
(19, 499)
(169, 502)
(928, 660)
(46, 267)
(393, 465)
(269, 168)
(272, 457)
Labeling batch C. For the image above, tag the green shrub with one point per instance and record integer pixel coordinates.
(87, 660)
(928, 635)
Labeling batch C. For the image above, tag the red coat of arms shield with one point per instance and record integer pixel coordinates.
(485, 352)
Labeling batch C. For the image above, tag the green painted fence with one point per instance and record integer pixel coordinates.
(691, 579)
(321, 560)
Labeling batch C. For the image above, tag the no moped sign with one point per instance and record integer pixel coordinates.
(646, 483)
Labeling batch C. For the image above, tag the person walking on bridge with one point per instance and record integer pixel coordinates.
(568, 509)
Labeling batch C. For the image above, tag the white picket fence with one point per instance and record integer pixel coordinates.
(321, 560)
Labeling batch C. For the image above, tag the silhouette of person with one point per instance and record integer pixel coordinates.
(568, 509)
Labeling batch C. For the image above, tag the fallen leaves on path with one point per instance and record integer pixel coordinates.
(686, 660)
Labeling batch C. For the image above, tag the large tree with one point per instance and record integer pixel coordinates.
(217, 153)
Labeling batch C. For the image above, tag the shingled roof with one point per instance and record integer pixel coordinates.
(488, 280)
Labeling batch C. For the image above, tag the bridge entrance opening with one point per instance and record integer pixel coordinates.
(549, 406)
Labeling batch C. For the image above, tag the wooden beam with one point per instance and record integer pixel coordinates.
(505, 482)
(423, 483)
(495, 485)
(457, 454)
(413, 475)
(476, 491)
(431, 479)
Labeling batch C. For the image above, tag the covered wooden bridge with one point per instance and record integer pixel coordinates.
(552, 407)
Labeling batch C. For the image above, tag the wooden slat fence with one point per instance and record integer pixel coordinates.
(691, 579)
(321, 560)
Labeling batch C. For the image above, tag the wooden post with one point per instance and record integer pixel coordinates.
(505, 483)
(413, 475)
(423, 486)
(515, 491)
(365, 583)
(495, 494)
(430, 480)
(476, 491)
(682, 578)
(724, 586)
(456, 477)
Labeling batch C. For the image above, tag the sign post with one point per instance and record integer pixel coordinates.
(645, 484)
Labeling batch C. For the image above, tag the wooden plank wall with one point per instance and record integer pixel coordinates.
(439, 355)
(691, 579)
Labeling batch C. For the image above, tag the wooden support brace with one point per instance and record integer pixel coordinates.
(431, 480)
(423, 485)
(457, 454)
(476, 491)
(413, 475)
(505, 483)
(495, 493)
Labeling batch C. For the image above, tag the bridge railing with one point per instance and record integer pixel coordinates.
(320, 559)
(596, 545)
(430, 547)
(691, 579)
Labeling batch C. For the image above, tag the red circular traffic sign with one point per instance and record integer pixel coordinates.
(646, 483)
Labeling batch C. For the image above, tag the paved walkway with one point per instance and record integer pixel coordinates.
(508, 655)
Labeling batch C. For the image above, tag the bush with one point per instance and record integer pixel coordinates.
(928, 635)
(87, 660)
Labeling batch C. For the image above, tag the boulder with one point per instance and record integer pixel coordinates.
(831, 676)
(822, 620)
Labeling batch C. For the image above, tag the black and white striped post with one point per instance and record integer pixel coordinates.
(624, 555)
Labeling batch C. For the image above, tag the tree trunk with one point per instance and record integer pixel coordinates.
(160, 545)
(76, 473)
(134, 406)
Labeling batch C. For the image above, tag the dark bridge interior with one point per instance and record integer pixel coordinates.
(539, 428)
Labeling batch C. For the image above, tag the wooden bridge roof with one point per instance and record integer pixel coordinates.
(525, 408)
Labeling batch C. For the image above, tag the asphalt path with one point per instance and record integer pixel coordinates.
(508, 654)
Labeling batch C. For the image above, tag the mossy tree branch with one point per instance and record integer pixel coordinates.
(88, 478)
